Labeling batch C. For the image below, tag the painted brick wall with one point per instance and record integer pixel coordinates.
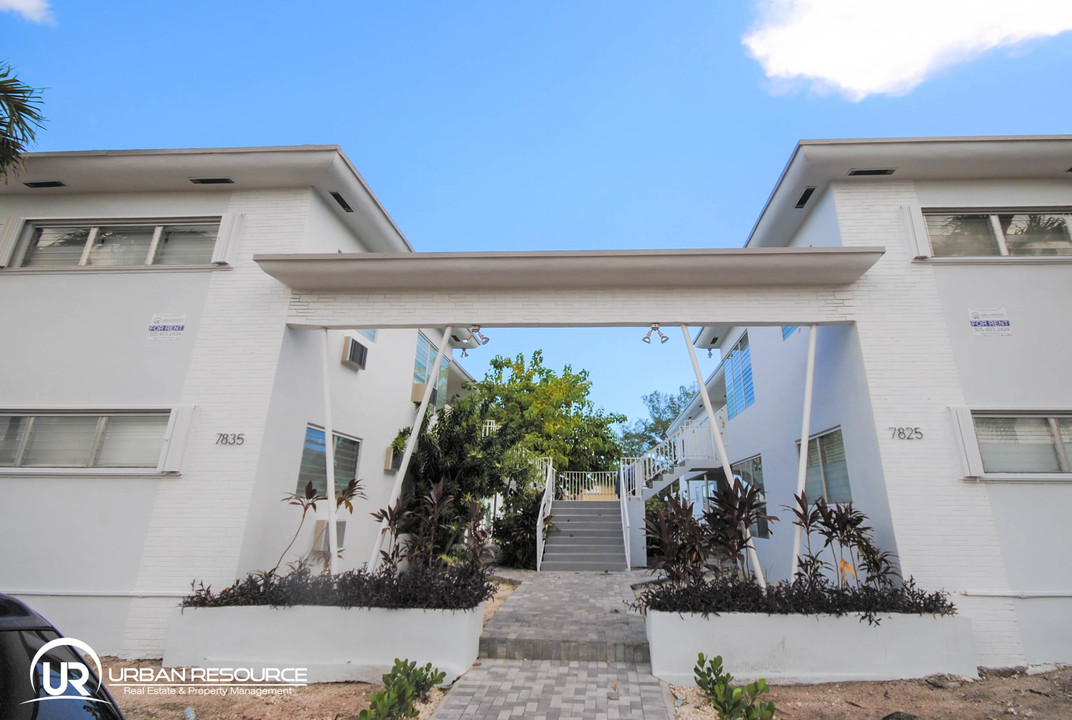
(945, 529)
(693, 306)
(199, 518)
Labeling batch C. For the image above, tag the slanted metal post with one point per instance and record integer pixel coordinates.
(721, 447)
(805, 433)
(329, 459)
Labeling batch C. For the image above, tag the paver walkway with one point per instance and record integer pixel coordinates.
(564, 645)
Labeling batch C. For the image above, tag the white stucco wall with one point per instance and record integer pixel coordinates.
(371, 405)
(771, 426)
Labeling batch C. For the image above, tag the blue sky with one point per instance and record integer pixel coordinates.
(547, 125)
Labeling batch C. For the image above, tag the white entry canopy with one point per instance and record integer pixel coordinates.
(579, 270)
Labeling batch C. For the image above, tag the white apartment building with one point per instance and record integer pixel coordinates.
(154, 404)
(161, 384)
(943, 410)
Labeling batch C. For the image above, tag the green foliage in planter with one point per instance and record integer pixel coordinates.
(730, 593)
(437, 587)
(404, 685)
(678, 543)
(515, 528)
(731, 702)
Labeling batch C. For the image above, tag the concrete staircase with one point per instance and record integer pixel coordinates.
(587, 536)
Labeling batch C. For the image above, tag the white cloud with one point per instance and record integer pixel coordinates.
(32, 10)
(868, 47)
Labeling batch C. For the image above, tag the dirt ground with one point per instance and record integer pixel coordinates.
(996, 696)
(324, 701)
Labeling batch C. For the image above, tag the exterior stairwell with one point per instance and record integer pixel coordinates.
(587, 535)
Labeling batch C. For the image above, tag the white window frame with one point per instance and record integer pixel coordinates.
(172, 446)
(914, 220)
(966, 442)
(17, 233)
(761, 531)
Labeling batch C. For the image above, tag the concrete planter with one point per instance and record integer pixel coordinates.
(334, 644)
(810, 648)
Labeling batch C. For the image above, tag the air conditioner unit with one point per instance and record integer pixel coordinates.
(354, 354)
(418, 394)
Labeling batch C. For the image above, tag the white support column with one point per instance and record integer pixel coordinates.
(712, 420)
(805, 433)
(411, 444)
(329, 458)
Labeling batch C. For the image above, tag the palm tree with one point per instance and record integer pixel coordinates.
(20, 117)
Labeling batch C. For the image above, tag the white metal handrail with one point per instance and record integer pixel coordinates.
(596, 485)
(625, 527)
(691, 440)
(548, 467)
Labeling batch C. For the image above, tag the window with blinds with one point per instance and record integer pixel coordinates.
(128, 244)
(737, 371)
(999, 234)
(313, 466)
(82, 440)
(1024, 443)
(828, 472)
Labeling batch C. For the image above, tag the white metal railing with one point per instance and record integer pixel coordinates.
(548, 467)
(625, 528)
(490, 427)
(692, 440)
(596, 485)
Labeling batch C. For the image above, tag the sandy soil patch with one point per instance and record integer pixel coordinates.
(999, 695)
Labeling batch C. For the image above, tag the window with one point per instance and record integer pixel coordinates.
(788, 330)
(827, 473)
(750, 472)
(83, 440)
(737, 370)
(370, 334)
(48, 244)
(1024, 443)
(426, 355)
(313, 467)
(999, 234)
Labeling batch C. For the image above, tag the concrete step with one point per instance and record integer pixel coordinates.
(615, 514)
(508, 648)
(586, 533)
(582, 542)
(586, 525)
(584, 505)
(588, 565)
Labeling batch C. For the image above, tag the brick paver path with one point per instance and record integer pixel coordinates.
(564, 645)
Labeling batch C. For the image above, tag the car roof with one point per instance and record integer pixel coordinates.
(16, 615)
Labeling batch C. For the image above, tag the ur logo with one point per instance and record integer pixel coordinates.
(56, 679)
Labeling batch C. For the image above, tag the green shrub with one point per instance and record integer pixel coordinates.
(515, 529)
(402, 687)
(730, 701)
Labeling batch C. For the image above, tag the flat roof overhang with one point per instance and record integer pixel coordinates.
(754, 268)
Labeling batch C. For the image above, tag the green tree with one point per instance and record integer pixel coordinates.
(551, 413)
(20, 117)
(663, 409)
